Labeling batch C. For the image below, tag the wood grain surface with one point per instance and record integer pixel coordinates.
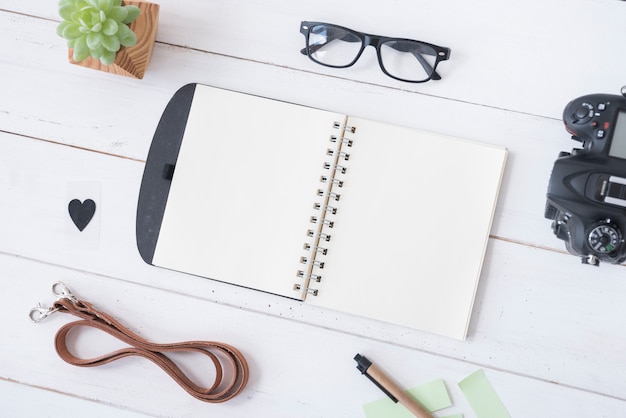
(547, 330)
(131, 61)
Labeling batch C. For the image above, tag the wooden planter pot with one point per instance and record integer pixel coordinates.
(133, 61)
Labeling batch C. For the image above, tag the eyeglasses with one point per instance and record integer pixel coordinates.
(403, 59)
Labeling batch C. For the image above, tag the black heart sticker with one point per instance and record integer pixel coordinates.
(81, 212)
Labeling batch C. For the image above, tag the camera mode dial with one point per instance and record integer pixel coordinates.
(604, 237)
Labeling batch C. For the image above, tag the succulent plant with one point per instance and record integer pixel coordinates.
(97, 28)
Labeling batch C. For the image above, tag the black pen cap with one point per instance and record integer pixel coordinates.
(362, 363)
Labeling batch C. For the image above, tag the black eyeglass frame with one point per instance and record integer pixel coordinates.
(367, 39)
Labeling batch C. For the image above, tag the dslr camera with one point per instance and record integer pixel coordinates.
(586, 198)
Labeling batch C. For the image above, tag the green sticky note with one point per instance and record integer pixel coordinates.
(482, 397)
(454, 416)
(433, 396)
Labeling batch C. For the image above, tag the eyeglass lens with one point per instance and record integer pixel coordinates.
(408, 60)
(333, 46)
(403, 59)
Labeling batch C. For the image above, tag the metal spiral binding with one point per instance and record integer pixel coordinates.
(331, 195)
(326, 179)
(308, 290)
(345, 128)
(340, 168)
(342, 154)
(318, 233)
(323, 237)
(331, 209)
(346, 141)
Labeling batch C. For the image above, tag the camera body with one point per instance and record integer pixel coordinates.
(586, 198)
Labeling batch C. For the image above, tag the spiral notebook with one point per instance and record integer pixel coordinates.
(341, 212)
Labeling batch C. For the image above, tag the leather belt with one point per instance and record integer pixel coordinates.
(231, 367)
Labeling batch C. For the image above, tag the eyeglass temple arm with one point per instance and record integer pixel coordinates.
(426, 65)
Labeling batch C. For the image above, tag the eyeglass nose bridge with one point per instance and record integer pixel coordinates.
(374, 41)
(370, 40)
(365, 39)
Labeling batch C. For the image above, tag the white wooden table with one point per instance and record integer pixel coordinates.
(549, 332)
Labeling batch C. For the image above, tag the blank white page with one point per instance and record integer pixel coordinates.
(411, 228)
(242, 191)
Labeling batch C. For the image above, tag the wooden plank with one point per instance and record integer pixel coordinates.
(523, 56)
(544, 327)
(291, 362)
(52, 403)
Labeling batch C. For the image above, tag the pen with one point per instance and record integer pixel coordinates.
(389, 387)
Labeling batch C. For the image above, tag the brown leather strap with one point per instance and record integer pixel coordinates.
(230, 365)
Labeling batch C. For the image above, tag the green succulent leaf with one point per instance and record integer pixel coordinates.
(107, 57)
(93, 17)
(118, 13)
(62, 26)
(97, 28)
(66, 11)
(133, 13)
(97, 53)
(67, 3)
(110, 27)
(111, 43)
(105, 5)
(81, 50)
(94, 40)
(71, 31)
(126, 36)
